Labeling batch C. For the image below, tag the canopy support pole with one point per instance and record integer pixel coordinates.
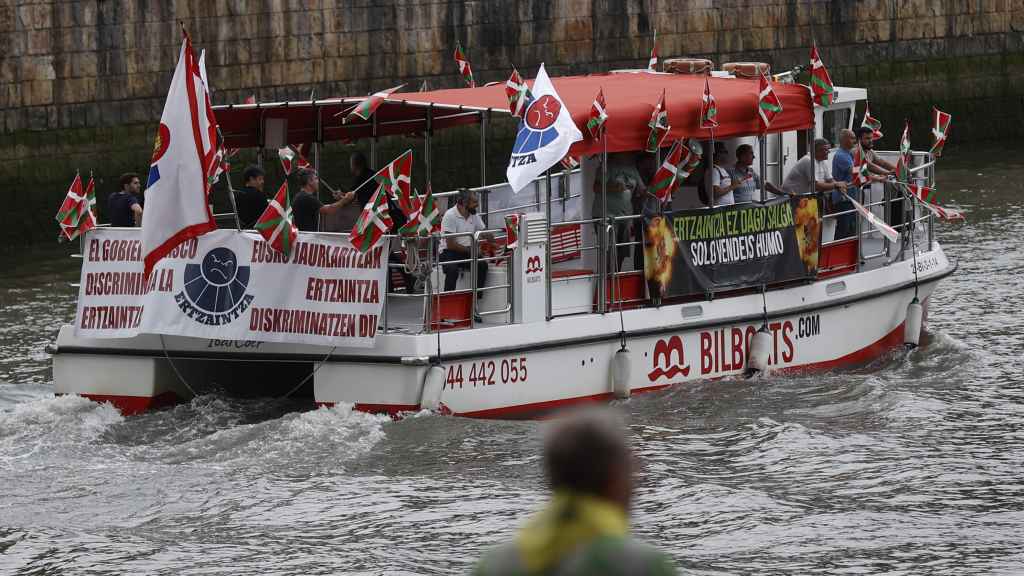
(602, 232)
(708, 179)
(231, 196)
(547, 251)
(762, 151)
(485, 205)
(427, 137)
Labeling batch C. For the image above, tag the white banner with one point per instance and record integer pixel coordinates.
(231, 285)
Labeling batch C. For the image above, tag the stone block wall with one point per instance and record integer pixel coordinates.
(82, 81)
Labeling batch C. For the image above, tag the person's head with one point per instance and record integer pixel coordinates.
(745, 154)
(721, 153)
(587, 452)
(253, 177)
(468, 200)
(357, 163)
(865, 136)
(130, 182)
(821, 148)
(847, 139)
(308, 180)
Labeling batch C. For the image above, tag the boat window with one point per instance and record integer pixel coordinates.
(832, 121)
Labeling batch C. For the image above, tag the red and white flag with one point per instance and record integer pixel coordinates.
(659, 126)
(292, 158)
(518, 94)
(374, 222)
(823, 92)
(396, 180)
(365, 109)
(860, 173)
(425, 219)
(940, 131)
(598, 116)
(665, 179)
(871, 122)
(569, 163)
(511, 231)
(768, 104)
(708, 107)
(183, 164)
(929, 199)
(652, 63)
(888, 231)
(276, 224)
(464, 68)
(75, 215)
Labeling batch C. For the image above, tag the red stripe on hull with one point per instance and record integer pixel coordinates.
(860, 357)
(131, 405)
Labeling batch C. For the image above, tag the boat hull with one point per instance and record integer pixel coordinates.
(526, 370)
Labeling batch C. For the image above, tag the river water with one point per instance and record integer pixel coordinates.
(910, 466)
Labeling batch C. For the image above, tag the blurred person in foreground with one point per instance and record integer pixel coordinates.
(584, 529)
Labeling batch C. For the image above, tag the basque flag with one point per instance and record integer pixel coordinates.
(184, 160)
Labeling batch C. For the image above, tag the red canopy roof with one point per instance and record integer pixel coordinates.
(630, 98)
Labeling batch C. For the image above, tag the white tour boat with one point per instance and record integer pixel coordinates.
(733, 290)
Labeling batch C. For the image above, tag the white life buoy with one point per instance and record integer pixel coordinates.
(433, 383)
(621, 369)
(912, 326)
(760, 349)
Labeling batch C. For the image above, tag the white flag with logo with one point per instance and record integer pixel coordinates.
(546, 131)
(182, 164)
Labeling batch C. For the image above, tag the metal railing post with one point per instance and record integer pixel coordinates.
(428, 311)
(602, 234)
(473, 255)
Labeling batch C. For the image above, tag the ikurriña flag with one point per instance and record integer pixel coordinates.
(518, 94)
(903, 162)
(276, 224)
(659, 126)
(291, 158)
(75, 215)
(822, 90)
(184, 161)
(374, 222)
(396, 180)
(464, 68)
(929, 199)
(768, 103)
(365, 109)
(664, 181)
(598, 116)
(860, 172)
(708, 107)
(425, 218)
(940, 131)
(511, 231)
(871, 122)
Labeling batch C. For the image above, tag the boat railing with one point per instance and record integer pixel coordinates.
(431, 273)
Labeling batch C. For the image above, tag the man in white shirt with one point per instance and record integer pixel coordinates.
(458, 219)
(722, 183)
(816, 174)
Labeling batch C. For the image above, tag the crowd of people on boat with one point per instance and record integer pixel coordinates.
(732, 181)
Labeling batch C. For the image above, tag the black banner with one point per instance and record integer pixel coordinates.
(697, 251)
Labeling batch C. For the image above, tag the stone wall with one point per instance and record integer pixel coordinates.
(82, 82)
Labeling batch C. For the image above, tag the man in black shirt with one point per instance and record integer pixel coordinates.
(125, 205)
(307, 209)
(249, 199)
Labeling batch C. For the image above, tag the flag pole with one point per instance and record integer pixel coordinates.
(602, 240)
(227, 178)
(547, 252)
